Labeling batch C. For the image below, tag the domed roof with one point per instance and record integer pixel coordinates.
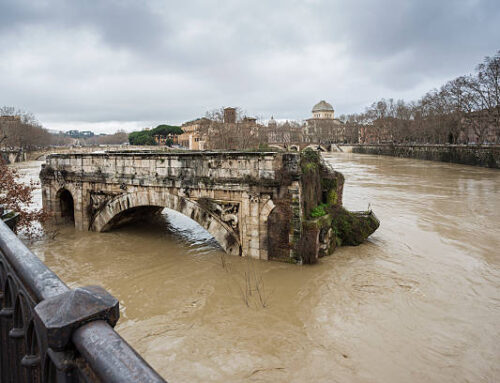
(322, 106)
(272, 122)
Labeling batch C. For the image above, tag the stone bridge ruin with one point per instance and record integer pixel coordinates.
(252, 203)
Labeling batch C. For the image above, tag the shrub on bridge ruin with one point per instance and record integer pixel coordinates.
(311, 180)
(319, 210)
(321, 186)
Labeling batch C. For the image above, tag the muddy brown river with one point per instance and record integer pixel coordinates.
(419, 302)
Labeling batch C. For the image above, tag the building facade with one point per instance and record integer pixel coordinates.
(224, 131)
(323, 127)
(289, 132)
(194, 134)
(169, 139)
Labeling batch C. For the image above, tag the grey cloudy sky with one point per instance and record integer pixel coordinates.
(106, 65)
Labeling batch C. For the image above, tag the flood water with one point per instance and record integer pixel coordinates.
(419, 302)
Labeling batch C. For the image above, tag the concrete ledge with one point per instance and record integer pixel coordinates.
(481, 155)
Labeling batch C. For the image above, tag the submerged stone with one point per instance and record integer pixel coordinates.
(353, 228)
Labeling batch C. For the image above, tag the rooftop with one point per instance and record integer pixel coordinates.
(322, 106)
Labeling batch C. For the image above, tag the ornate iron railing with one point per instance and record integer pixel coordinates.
(50, 333)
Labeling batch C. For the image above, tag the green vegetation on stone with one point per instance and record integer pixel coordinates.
(310, 160)
(324, 217)
(353, 228)
(319, 211)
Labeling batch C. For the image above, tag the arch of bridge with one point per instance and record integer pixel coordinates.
(39, 155)
(222, 233)
(321, 148)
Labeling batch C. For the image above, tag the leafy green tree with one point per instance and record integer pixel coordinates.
(143, 137)
(146, 137)
(165, 130)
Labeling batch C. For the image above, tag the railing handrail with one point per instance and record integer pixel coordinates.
(34, 274)
(107, 354)
(121, 364)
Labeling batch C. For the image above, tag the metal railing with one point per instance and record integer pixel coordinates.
(50, 333)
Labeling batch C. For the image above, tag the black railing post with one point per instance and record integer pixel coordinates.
(49, 333)
(58, 317)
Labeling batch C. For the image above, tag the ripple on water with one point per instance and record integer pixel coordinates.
(418, 302)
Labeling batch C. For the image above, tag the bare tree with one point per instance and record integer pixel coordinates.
(244, 133)
(119, 137)
(484, 93)
(17, 196)
(464, 110)
(21, 130)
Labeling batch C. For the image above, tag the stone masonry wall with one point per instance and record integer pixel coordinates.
(485, 156)
(186, 169)
(246, 182)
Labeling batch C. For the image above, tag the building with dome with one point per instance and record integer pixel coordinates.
(323, 127)
(323, 110)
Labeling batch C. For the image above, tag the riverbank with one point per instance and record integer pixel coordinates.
(484, 156)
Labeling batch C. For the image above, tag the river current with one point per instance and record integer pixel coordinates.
(418, 302)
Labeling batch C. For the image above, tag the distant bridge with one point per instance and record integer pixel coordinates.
(40, 154)
(11, 156)
(302, 146)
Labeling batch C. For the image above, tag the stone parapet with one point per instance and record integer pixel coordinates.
(209, 169)
(476, 155)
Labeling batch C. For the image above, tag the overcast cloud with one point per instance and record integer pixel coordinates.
(109, 64)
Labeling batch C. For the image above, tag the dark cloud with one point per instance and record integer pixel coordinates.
(163, 60)
(129, 24)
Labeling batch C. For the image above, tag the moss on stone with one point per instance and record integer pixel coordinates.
(309, 167)
(46, 173)
(312, 190)
(353, 228)
(332, 197)
(326, 224)
(329, 183)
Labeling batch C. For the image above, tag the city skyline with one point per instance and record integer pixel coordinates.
(105, 66)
